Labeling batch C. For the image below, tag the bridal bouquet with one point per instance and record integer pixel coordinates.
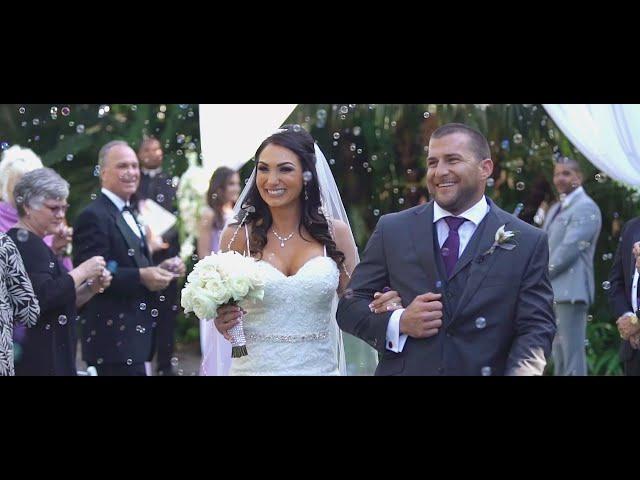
(223, 279)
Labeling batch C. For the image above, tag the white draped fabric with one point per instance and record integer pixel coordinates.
(607, 134)
(231, 133)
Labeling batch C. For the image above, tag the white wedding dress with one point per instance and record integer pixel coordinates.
(292, 331)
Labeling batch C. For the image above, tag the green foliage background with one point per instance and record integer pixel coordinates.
(377, 154)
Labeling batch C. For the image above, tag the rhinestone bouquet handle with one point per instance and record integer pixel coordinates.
(238, 340)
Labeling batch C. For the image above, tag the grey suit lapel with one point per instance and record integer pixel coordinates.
(580, 196)
(552, 213)
(425, 238)
(422, 235)
(483, 263)
(576, 200)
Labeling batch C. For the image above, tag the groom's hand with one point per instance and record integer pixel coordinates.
(423, 318)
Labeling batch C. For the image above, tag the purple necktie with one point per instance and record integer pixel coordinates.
(451, 248)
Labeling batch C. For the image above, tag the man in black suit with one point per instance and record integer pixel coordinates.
(159, 187)
(623, 296)
(117, 333)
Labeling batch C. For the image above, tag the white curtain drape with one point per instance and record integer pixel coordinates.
(231, 133)
(607, 134)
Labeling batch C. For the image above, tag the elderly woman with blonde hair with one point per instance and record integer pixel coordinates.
(16, 161)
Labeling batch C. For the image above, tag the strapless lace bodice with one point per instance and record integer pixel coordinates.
(292, 332)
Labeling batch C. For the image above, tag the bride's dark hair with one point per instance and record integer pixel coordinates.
(300, 142)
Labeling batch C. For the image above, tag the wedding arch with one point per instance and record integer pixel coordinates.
(608, 135)
(231, 133)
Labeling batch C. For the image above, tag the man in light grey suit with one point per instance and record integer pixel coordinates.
(573, 225)
(474, 278)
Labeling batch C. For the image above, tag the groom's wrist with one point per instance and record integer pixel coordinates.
(401, 323)
(394, 341)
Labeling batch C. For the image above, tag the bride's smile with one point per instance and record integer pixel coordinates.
(279, 177)
(277, 192)
(292, 221)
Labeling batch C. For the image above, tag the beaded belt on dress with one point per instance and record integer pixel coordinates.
(310, 337)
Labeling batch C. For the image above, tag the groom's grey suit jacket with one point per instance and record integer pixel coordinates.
(509, 289)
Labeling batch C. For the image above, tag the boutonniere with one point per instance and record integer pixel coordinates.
(504, 239)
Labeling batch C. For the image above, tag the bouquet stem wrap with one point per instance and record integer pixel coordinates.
(238, 340)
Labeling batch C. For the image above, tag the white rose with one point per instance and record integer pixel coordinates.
(207, 271)
(204, 304)
(221, 295)
(186, 299)
(239, 287)
(213, 284)
(229, 261)
(194, 277)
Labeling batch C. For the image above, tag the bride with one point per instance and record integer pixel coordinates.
(291, 219)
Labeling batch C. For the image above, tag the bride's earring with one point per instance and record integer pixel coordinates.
(306, 193)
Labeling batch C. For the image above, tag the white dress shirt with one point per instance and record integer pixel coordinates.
(128, 217)
(569, 198)
(475, 215)
(565, 202)
(151, 172)
(634, 292)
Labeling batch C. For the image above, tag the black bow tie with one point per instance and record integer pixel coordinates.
(127, 208)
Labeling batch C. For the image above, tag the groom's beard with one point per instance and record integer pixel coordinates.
(455, 199)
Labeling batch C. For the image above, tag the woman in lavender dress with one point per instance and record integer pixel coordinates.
(224, 189)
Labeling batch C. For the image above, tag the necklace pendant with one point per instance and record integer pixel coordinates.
(281, 244)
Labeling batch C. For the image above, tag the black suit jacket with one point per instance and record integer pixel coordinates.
(510, 289)
(49, 347)
(160, 189)
(621, 280)
(115, 329)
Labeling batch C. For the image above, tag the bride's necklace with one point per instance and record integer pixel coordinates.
(282, 240)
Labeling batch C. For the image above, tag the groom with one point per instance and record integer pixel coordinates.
(479, 300)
